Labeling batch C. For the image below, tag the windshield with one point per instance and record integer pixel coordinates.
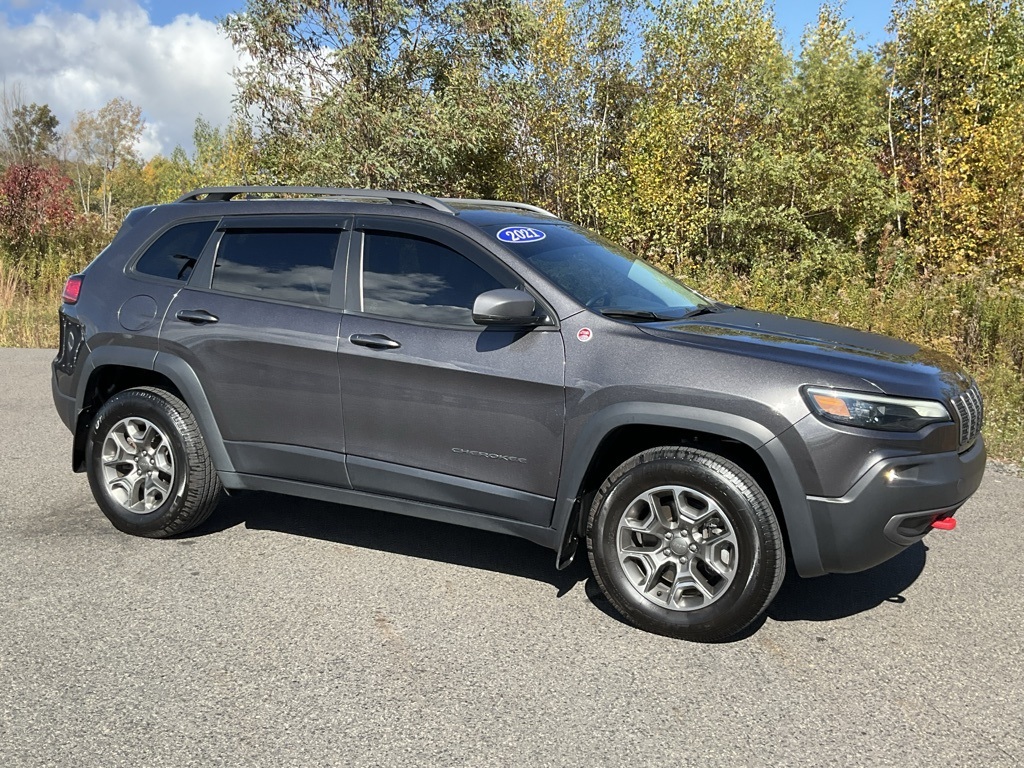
(597, 273)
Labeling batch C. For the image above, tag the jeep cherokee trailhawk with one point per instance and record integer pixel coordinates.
(487, 364)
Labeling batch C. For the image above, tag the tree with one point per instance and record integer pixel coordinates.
(739, 154)
(956, 74)
(816, 182)
(713, 78)
(580, 94)
(100, 141)
(381, 92)
(222, 156)
(34, 206)
(29, 133)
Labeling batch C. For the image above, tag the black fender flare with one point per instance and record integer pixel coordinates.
(101, 357)
(795, 510)
(179, 373)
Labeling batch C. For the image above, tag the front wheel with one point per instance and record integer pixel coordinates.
(148, 467)
(684, 543)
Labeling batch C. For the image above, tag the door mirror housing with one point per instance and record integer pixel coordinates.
(505, 306)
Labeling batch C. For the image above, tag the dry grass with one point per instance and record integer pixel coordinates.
(10, 287)
(27, 319)
(30, 322)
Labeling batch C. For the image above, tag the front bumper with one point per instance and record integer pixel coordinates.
(892, 506)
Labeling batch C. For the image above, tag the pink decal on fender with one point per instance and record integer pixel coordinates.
(584, 334)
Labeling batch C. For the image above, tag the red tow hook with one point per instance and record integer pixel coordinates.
(944, 523)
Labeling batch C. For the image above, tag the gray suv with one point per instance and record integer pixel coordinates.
(488, 364)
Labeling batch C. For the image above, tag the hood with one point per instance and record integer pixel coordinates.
(890, 365)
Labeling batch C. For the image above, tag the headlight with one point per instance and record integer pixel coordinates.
(859, 409)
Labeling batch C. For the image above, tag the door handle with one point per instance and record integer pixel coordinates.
(373, 341)
(196, 316)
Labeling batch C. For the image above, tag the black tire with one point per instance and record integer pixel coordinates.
(749, 543)
(180, 498)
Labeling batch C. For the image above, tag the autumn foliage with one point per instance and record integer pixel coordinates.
(34, 203)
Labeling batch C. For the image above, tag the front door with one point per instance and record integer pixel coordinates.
(437, 408)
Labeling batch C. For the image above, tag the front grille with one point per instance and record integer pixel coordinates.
(970, 413)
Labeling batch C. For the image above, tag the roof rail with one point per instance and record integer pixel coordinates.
(222, 194)
(504, 203)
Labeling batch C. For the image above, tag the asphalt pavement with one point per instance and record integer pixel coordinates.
(294, 633)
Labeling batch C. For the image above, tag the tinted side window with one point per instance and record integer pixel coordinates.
(288, 265)
(412, 277)
(176, 251)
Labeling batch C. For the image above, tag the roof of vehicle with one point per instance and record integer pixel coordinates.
(485, 215)
(479, 212)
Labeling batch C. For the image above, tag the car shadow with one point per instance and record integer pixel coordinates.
(838, 595)
(386, 532)
(825, 598)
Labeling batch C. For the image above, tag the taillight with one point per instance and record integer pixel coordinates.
(72, 289)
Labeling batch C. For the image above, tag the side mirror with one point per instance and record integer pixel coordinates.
(505, 306)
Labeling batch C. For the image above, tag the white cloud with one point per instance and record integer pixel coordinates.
(74, 61)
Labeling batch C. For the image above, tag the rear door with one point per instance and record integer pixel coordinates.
(437, 408)
(258, 323)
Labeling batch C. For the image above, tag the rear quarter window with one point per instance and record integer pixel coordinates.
(176, 251)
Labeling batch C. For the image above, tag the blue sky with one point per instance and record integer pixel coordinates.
(170, 58)
(868, 18)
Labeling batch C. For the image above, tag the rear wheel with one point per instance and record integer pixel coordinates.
(684, 543)
(148, 466)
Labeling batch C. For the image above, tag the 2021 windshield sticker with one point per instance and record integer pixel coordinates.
(520, 235)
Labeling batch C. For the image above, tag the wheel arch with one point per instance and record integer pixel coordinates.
(113, 370)
(621, 431)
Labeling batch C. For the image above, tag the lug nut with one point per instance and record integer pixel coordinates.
(693, 547)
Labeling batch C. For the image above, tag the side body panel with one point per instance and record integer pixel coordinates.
(480, 405)
(465, 416)
(270, 374)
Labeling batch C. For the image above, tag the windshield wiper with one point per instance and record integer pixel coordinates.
(707, 309)
(623, 313)
(633, 314)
